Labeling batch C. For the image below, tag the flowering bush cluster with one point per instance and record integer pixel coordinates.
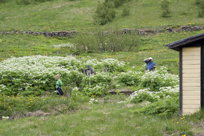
(159, 78)
(163, 102)
(107, 65)
(33, 75)
(153, 80)
(130, 78)
(68, 45)
(97, 85)
(152, 96)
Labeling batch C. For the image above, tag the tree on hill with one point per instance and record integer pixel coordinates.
(200, 5)
(165, 8)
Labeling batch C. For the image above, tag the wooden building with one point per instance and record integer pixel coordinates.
(191, 52)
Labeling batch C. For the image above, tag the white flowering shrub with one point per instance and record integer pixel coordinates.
(32, 75)
(96, 85)
(107, 65)
(159, 78)
(130, 78)
(112, 65)
(152, 96)
(65, 45)
(92, 101)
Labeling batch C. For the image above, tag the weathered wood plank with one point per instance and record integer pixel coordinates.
(189, 66)
(195, 106)
(192, 97)
(189, 75)
(192, 102)
(188, 111)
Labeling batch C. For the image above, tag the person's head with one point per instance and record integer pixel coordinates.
(146, 60)
(150, 59)
(88, 66)
(57, 77)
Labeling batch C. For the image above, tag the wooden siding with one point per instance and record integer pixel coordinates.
(191, 79)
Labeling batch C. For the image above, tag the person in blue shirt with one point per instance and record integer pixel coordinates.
(150, 64)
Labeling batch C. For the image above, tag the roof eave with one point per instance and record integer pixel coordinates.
(179, 44)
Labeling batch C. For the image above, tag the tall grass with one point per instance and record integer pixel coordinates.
(106, 42)
(103, 119)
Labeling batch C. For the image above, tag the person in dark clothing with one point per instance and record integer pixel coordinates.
(89, 71)
(150, 64)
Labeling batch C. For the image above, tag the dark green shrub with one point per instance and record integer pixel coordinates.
(167, 107)
(105, 13)
(2, 1)
(125, 12)
(130, 78)
(106, 42)
(200, 6)
(165, 8)
(198, 2)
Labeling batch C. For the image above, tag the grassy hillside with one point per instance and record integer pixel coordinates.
(26, 45)
(59, 15)
(75, 114)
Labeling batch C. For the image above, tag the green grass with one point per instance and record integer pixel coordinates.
(48, 16)
(26, 45)
(150, 46)
(78, 15)
(106, 118)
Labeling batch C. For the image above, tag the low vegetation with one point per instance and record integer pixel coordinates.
(165, 8)
(108, 41)
(78, 15)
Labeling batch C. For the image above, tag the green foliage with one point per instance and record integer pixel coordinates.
(20, 105)
(74, 78)
(105, 42)
(143, 95)
(78, 15)
(166, 107)
(165, 8)
(2, 1)
(198, 2)
(104, 13)
(157, 79)
(96, 85)
(200, 6)
(130, 78)
(125, 12)
(34, 75)
(27, 2)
